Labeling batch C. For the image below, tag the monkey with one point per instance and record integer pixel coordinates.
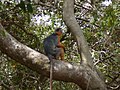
(54, 49)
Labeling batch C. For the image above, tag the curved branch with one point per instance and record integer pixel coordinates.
(69, 18)
(38, 62)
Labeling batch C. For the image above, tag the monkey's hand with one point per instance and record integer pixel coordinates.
(61, 46)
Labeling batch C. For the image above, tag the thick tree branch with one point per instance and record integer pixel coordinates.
(69, 18)
(71, 22)
(38, 62)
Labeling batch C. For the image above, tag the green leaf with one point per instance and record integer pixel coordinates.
(22, 6)
(2, 33)
(29, 18)
(29, 0)
(29, 8)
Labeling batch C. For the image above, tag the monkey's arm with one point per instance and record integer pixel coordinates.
(59, 43)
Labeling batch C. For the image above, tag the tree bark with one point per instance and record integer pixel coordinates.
(38, 62)
(69, 18)
(71, 22)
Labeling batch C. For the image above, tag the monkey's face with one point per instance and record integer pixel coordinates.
(59, 33)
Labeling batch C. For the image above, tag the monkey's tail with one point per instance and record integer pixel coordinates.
(51, 70)
(51, 74)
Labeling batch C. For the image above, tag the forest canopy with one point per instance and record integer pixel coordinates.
(91, 36)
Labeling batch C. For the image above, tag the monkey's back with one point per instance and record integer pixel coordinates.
(50, 44)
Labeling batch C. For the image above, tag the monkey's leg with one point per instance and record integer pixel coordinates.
(58, 52)
(62, 54)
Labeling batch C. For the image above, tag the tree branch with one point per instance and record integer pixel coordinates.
(71, 22)
(69, 18)
(38, 62)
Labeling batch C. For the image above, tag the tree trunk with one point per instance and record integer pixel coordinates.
(69, 18)
(71, 22)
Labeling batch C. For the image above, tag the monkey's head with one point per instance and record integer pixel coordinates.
(58, 31)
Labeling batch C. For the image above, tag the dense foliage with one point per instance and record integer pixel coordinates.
(30, 23)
